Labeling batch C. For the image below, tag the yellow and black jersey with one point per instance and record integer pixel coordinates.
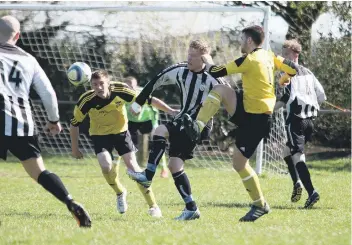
(107, 116)
(258, 69)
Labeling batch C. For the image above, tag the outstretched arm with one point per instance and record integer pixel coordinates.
(161, 105)
(237, 66)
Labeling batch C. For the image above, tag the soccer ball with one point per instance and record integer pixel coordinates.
(79, 73)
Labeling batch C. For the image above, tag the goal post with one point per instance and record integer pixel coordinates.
(64, 32)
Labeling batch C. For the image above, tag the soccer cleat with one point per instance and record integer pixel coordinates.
(155, 212)
(140, 178)
(189, 215)
(164, 173)
(122, 202)
(313, 199)
(79, 213)
(255, 212)
(297, 192)
(191, 128)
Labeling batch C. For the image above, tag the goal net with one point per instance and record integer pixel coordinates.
(139, 39)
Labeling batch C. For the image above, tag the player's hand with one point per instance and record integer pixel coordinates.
(207, 59)
(284, 80)
(53, 128)
(77, 154)
(135, 108)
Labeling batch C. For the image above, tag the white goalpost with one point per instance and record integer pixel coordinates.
(66, 32)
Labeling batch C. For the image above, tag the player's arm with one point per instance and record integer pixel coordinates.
(45, 90)
(239, 65)
(284, 99)
(161, 105)
(319, 91)
(285, 65)
(166, 77)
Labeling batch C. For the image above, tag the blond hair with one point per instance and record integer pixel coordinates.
(200, 45)
(293, 45)
(9, 27)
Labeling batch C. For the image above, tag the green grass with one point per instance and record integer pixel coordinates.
(29, 215)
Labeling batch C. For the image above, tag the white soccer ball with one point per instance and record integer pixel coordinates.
(79, 73)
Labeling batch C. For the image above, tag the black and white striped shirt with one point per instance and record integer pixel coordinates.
(18, 72)
(194, 87)
(303, 95)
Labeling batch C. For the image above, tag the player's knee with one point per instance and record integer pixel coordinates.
(298, 157)
(161, 130)
(105, 161)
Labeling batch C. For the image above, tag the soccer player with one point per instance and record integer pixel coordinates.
(302, 98)
(194, 83)
(250, 109)
(19, 71)
(105, 105)
(145, 122)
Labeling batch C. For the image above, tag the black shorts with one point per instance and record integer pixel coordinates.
(122, 142)
(252, 128)
(23, 148)
(143, 127)
(299, 132)
(179, 144)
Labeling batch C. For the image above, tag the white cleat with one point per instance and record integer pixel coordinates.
(155, 212)
(122, 202)
(189, 215)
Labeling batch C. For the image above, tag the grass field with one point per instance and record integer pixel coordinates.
(29, 215)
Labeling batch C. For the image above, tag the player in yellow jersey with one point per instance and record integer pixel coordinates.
(105, 105)
(250, 109)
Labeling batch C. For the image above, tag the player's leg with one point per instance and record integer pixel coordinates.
(27, 150)
(297, 184)
(163, 164)
(147, 192)
(103, 149)
(183, 186)
(299, 160)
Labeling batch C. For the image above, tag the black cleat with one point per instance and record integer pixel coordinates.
(255, 212)
(296, 192)
(313, 199)
(80, 214)
(191, 128)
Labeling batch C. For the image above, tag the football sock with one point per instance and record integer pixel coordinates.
(305, 177)
(148, 195)
(251, 183)
(156, 152)
(52, 183)
(113, 180)
(210, 107)
(291, 168)
(184, 188)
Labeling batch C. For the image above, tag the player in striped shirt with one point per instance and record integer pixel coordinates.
(194, 84)
(19, 71)
(302, 98)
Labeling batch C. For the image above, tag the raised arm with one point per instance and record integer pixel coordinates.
(239, 65)
(161, 105)
(285, 65)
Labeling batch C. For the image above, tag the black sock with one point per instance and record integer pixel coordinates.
(52, 183)
(291, 168)
(156, 152)
(305, 177)
(184, 188)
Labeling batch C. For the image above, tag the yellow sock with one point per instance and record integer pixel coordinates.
(113, 180)
(251, 183)
(148, 195)
(210, 107)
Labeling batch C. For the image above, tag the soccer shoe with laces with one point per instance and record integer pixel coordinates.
(79, 213)
(191, 128)
(312, 199)
(255, 212)
(140, 178)
(155, 212)
(122, 202)
(296, 192)
(189, 215)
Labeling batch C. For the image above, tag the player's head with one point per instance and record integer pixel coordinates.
(9, 30)
(196, 49)
(100, 83)
(251, 38)
(291, 50)
(131, 81)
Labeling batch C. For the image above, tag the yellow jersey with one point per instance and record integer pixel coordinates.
(258, 69)
(107, 116)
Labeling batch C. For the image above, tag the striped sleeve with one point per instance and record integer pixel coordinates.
(123, 91)
(81, 108)
(237, 66)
